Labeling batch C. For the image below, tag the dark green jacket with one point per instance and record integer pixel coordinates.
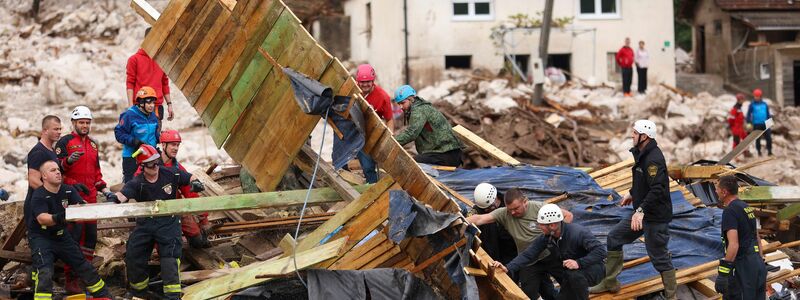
(429, 129)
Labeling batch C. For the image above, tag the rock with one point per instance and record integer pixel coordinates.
(500, 104)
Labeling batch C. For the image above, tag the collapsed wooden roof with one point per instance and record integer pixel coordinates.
(223, 55)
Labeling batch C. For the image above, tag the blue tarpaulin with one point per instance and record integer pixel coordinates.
(694, 232)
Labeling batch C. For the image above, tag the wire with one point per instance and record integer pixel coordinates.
(308, 194)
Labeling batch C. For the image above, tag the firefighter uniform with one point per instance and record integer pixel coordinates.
(85, 171)
(164, 231)
(749, 272)
(49, 243)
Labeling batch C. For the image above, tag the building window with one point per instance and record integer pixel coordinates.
(473, 10)
(369, 23)
(458, 62)
(598, 9)
(717, 27)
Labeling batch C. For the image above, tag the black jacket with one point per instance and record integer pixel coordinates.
(576, 243)
(650, 189)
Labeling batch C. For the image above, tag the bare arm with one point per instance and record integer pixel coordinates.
(34, 178)
(733, 244)
(45, 219)
(130, 96)
(121, 197)
(481, 219)
(390, 125)
(567, 215)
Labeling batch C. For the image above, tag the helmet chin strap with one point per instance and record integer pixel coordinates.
(639, 140)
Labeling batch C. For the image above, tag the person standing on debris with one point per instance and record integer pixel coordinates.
(143, 71)
(741, 273)
(519, 219)
(428, 129)
(45, 220)
(625, 61)
(137, 126)
(194, 227)
(379, 100)
(155, 183)
(642, 62)
(736, 120)
(575, 259)
(757, 116)
(41, 153)
(652, 207)
(497, 242)
(81, 163)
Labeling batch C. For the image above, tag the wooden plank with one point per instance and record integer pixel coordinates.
(438, 256)
(188, 27)
(381, 259)
(287, 244)
(359, 251)
(705, 287)
(454, 193)
(163, 26)
(244, 277)
(146, 11)
(744, 144)
(102, 211)
(192, 57)
(769, 193)
(474, 272)
(696, 172)
(482, 145)
(613, 168)
(307, 158)
(789, 212)
(13, 239)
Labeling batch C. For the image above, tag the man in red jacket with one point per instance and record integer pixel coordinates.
(625, 61)
(78, 155)
(194, 227)
(736, 120)
(144, 71)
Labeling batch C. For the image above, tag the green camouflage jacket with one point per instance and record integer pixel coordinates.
(429, 129)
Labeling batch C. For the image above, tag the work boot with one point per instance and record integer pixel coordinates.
(199, 241)
(610, 282)
(670, 284)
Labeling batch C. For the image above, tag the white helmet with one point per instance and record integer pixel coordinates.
(645, 127)
(549, 214)
(81, 112)
(485, 194)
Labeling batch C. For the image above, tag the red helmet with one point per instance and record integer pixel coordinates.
(146, 153)
(365, 72)
(170, 136)
(757, 93)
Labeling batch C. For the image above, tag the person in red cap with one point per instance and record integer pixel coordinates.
(736, 120)
(80, 161)
(757, 116)
(194, 227)
(155, 183)
(379, 100)
(625, 61)
(143, 71)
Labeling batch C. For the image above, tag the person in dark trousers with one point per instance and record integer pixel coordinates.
(518, 217)
(642, 63)
(155, 183)
(757, 116)
(625, 61)
(736, 121)
(495, 239)
(137, 126)
(575, 260)
(652, 207)
(428, 129)
(48, 239)
(80, 161)
(741, 273)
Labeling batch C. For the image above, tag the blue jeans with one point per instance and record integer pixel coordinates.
(369, 167)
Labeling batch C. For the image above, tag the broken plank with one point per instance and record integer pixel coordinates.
(13, 239)
(744, 144)
(769, 193)
(696, 172)
(479, 143)
(612, 169)
(146, 11)
(244, 277)
(204, 204)
(788, 212)
(454, 193)
(307, 158)
(705, 287)
(438, 256)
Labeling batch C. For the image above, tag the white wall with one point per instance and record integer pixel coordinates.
(433, 34)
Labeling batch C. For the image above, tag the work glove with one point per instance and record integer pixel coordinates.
(197, 186)
(3, 195)
(81, 188)
(724, 272)
(111, 197)
(60, 218)
(74, 157)
(137, 143)
(748, 127)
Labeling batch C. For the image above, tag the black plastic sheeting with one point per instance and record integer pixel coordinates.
(367, 284)
(694, 232)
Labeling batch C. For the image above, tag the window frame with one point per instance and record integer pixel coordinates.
(598, 14)
(471, 16)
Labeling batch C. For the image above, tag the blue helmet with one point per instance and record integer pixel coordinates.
(404, 92)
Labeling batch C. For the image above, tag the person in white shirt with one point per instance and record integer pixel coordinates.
(642, 60)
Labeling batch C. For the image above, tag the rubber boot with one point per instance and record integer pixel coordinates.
(670, 284)
(613, 267)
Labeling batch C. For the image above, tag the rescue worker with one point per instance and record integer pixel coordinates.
(81, 164)
(48, 239)
(495, 239)
(155, 183)
(741, 273)
(652, 213)
(194, 227)
(519, 219)
(736, 120)
(757, 116)
(380, 101)
(575, 259)
(41, 153)
(428, 129)
(137, 126)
